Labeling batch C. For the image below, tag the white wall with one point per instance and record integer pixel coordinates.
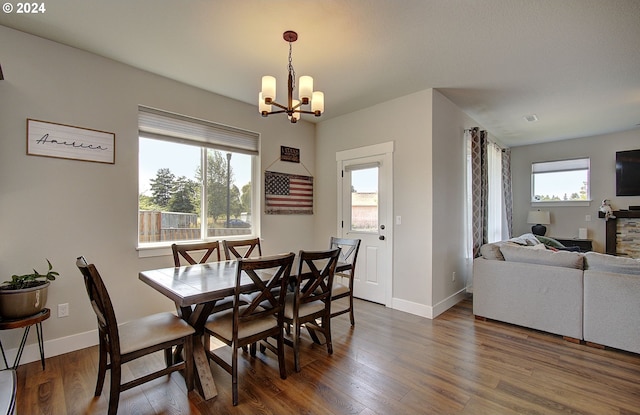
(566, 220)
(427, 130)
(59, 209)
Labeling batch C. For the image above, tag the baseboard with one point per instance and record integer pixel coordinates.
(54, 347)
(430, 312)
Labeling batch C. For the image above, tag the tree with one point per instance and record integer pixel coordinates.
(245, 199)
(162, 187)
(216, 183)
(146, 203)
(184, 197)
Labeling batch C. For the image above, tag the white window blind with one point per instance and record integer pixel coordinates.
(153, 123)
(560, 165)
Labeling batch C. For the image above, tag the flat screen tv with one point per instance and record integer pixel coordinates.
(628, 173)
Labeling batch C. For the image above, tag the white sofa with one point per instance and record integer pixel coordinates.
(588, 297)
(612, 301)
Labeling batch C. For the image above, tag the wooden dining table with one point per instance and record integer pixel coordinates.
(195, 289)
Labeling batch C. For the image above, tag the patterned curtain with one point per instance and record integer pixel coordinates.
(507, 195)
(479, 189)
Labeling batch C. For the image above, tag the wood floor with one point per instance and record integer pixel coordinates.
(390, 363)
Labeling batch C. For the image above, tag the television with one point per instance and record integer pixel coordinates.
(628, 173)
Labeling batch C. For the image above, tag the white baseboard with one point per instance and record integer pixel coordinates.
(55, 347)
(430, 312)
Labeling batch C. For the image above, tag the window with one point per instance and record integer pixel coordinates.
(197, 180)
(560, 181)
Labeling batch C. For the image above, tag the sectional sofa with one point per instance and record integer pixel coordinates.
(588, 297)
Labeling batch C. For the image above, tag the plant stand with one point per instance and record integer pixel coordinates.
(25, 322)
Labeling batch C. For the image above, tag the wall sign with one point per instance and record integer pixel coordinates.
(49, 139)
(290, 154)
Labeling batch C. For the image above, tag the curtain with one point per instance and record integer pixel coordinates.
(507, 194)
(490, 201)
(479, 189)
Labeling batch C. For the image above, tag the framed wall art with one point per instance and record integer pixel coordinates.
(48, 139)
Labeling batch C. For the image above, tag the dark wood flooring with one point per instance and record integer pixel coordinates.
(390, 363)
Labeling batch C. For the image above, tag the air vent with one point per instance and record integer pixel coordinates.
(531, 117)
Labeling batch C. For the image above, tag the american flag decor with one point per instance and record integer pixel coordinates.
(287, 194)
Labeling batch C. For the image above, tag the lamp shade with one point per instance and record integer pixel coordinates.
(539, 217)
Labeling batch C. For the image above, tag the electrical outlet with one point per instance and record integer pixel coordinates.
(587, 218)
(453, 276)
(63, 310)
(398, 220)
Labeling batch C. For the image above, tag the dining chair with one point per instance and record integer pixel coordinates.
(202, 251)
(311, 299)
(342, 292)
(242, 248)
(120, 344)
(246, 324)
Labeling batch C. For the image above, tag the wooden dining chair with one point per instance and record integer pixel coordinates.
(246, 324)
(136, 338)
(202, 251)
(342, 291)
(311, 299)
(242, 248)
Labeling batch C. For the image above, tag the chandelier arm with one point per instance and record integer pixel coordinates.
(279, 106)
(275, 112)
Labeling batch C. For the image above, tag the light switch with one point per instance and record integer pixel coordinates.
(587, 218)
(398, 220)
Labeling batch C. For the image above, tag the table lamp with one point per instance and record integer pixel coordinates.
(539, 218)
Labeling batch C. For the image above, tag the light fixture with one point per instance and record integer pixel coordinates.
(306, 94)
(539, 218)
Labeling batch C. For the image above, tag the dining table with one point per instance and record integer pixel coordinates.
(195, 289)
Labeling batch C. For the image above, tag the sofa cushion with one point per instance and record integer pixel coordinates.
(492, 251)
(609, 263)
(565, 259)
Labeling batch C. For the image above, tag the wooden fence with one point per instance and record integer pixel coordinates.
(156, 226)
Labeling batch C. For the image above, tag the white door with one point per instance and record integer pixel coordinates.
(364, 212)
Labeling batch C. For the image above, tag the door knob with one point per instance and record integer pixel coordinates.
(381, 237)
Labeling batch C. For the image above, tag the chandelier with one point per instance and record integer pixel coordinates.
(306, 94)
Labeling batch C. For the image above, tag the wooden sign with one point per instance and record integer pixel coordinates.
(49, 139)
(290, 154)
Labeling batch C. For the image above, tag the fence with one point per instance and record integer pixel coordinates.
(156, 226)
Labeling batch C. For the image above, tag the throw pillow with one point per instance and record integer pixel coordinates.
(550, 242)
(527, 239)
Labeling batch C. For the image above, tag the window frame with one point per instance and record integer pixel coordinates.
(559, 166)
(231, 139)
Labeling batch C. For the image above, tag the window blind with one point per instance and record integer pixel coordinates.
(153, 123)
(561, 165)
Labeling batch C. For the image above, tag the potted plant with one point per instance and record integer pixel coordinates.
(25, 295)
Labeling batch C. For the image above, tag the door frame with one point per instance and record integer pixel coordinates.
(385, 150)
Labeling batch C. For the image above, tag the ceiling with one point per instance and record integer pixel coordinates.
(575, 64)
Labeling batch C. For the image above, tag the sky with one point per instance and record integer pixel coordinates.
(182, 160)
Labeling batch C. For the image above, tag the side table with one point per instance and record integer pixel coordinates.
(25, 322)
(585, 245)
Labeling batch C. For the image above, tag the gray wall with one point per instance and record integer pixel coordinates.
(427, 130)
(59, 209)
(565, 220)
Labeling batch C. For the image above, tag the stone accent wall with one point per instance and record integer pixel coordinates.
(628, 237)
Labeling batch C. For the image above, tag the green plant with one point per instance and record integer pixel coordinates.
(19, 282)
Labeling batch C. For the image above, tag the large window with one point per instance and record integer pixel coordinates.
(196, 180)
(560, 181)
